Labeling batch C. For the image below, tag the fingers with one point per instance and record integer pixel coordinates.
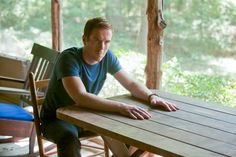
(173, 107)
(139, 113)
(168, 106)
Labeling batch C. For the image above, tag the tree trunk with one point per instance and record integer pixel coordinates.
(56, 24)
(155, 37)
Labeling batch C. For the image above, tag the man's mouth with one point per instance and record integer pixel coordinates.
(99, 53)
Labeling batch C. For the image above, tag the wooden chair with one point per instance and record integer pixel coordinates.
(41, 64)
(14, 120)
(37, 101)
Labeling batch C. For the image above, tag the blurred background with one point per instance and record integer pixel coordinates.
(199, 58)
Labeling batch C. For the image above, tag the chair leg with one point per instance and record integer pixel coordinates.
(32, 141)
(106, 150)
(100, 142)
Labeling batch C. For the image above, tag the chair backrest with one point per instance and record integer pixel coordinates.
(42, 64)
(38, 86)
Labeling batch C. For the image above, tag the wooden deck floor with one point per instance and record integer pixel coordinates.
(21, 147)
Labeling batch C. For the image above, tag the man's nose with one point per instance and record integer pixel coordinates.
(102, 45)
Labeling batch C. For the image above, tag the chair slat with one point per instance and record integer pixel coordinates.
(44, 52)
(42, 83)
(43, 60)
(40, 101)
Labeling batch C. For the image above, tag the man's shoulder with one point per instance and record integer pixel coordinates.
(70, 54)
(72, 50)
(110, 53)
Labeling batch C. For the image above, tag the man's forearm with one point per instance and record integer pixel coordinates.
(139, 91)
(92, 101)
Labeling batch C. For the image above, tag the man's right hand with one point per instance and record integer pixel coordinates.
(134, 112)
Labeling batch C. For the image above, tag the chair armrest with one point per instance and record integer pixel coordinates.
(12, 79)
(18, 91)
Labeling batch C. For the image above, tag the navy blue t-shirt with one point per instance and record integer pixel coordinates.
(70, 63)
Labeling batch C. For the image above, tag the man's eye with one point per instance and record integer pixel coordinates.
(98, 41)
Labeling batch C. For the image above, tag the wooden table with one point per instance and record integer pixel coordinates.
(198, 129)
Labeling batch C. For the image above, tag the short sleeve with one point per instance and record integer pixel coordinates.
(113, 63)
(67, 65)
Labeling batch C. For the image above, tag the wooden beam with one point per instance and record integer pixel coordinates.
(56, 24)
(155, 43)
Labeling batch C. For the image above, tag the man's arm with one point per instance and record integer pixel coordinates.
(76, 89)
(136, 89)
(142, 92)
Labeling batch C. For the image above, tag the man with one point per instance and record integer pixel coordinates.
(78, 77)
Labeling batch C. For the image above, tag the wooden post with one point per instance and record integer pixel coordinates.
(155, 43)
(56, 24)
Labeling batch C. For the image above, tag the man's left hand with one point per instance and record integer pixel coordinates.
(157, 101)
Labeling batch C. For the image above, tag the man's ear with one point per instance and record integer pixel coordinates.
(84, 38)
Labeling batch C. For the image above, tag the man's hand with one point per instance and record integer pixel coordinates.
(157, 101)
(134, 112)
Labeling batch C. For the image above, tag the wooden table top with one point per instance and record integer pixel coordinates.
(197, 129)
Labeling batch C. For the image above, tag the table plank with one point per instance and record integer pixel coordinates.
(205, 121)
(194, 106)
(190, 122)
(177, 134)
(131, 135)
(195, 128)
(195, 117)
(207, 112)
(218, 140)
(197, 102)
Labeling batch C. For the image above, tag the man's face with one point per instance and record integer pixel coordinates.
(97, 44)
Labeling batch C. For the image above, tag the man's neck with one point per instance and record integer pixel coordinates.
(86, 58)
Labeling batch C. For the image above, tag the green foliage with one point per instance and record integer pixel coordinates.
(12, 12)
(206, 26)
(211, 88)
(119, 52)
(198, 32)
(25, 14)
(119, 13)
